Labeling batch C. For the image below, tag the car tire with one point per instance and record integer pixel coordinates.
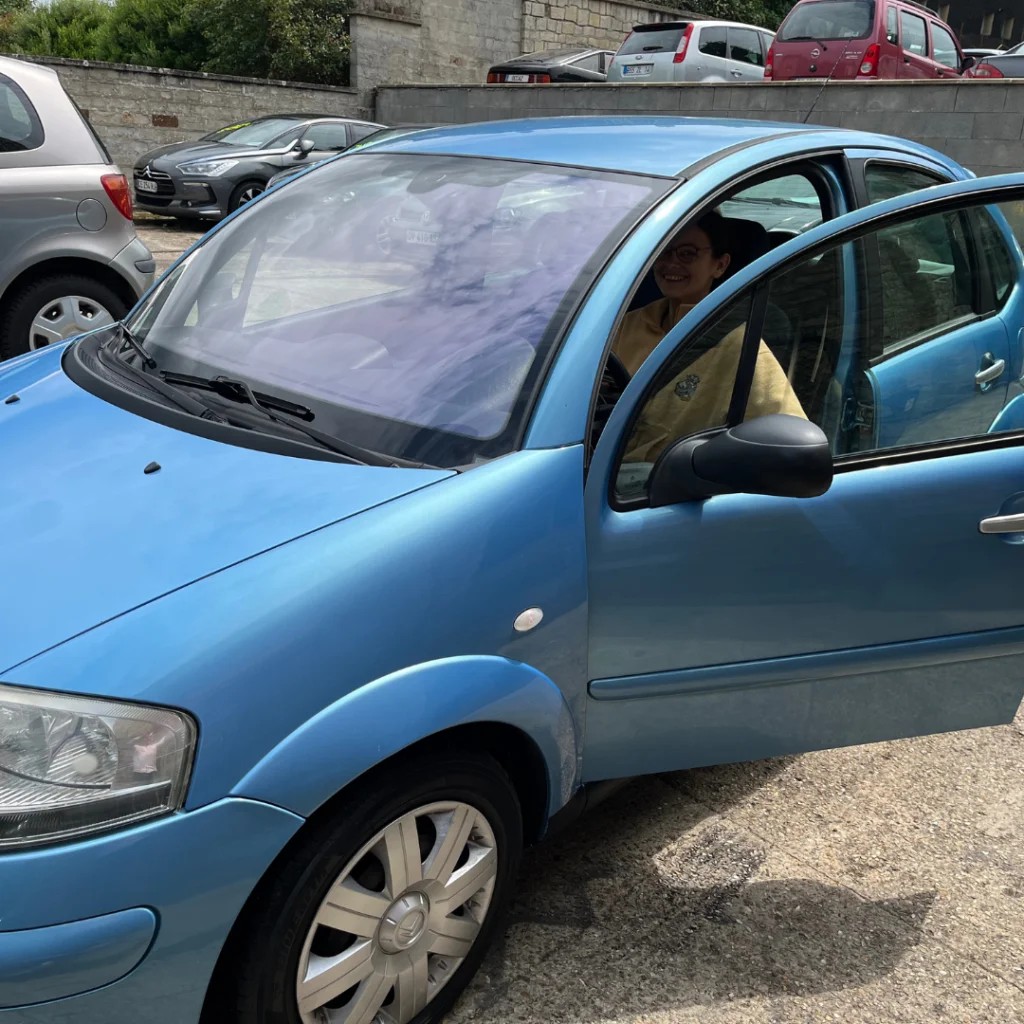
(281, 942)
(244, 193)
(64, 304)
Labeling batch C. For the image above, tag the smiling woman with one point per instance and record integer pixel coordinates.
(408, 302)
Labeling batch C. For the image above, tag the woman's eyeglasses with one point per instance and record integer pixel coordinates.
(685, 253)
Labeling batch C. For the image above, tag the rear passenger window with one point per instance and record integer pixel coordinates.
(20, 127)
(891, 32)
(914, 38)
(745, 46)
(886, 181)
(712, 41)
(943, 48)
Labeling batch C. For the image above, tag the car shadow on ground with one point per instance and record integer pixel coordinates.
(654, 901)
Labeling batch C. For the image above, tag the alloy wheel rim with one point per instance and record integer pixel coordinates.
(249, 194)
(65, 317)
(399, 919)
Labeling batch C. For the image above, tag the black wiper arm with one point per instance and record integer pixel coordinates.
(182, 401)
(235, 389)
(126, 335)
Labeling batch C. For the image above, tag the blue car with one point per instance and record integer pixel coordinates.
(427, 497)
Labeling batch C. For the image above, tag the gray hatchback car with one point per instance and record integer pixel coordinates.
(70, 259)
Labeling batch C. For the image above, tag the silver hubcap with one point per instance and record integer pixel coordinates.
(64, 318)
(249, 194)
(400, 918)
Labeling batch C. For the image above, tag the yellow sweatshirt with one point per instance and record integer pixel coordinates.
(698, 398)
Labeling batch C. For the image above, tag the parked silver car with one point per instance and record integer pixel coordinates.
(70, 260)
(692, 51)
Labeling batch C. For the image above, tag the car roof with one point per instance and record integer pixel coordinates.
(638, 144)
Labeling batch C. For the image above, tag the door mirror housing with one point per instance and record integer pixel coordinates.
(967, 63)
(779, 455)
(303, 147)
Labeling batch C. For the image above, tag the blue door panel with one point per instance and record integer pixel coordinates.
(928, 393)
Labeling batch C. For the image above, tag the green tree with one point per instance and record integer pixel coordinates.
(766, 13)
(64, 28)
(154, 33)
(300, 40)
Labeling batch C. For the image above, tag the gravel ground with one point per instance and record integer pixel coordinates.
(882, 884)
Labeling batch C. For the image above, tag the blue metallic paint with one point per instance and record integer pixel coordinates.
(194, 870)
(42, 964)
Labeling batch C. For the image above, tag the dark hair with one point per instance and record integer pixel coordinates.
(716, 227)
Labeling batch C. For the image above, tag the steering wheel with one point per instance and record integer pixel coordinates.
(614, 379)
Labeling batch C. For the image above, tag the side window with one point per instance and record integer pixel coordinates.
(943, 48)
(331, 137)
(592, 62)
(887, 181)
(914, 38)
(358, 132)
(745, 46)
(20, 127)
(994, 252)
(891, 32)
(712, 41)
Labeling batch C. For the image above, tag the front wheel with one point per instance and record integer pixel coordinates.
(384, 912)
(245, 193)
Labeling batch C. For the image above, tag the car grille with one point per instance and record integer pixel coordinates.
(164, 186)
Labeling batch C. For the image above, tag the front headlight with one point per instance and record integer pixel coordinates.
(209, 168)
(70, 766)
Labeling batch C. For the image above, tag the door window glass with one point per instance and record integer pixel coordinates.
(745, 47)
(712, 41)
(943, 48)
(886, 181)
(20, 128)
(330, 137)
(996, 252)
(891, 32)
(914, 39)
(362, 131)
(592, 62)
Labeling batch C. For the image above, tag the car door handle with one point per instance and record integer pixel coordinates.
(1003, 524)
(736, 74)
(991, 372)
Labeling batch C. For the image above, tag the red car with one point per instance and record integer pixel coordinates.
(851, 39)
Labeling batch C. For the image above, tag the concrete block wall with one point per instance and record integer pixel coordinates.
(978, 123)
(137, 109)
(548, 24)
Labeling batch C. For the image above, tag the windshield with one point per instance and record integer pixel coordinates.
(408, 300)
(829, 19)
(659, 40)
(252, 133)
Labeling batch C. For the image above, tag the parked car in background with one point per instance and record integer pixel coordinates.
(370, 140)
(849, 39)
(337, 576)
(69, 256)
(571, 64)
(215, 175)
(692, 51)
(977, 52)
(1007, 64)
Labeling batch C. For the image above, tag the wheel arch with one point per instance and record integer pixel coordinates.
(510, 709)
(51, 267)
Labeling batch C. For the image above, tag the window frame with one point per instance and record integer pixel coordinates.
(37, 132)
(761, 285)
(904, 13)
(706, 30)
(728, 46)
(891, 11)
(933, 27)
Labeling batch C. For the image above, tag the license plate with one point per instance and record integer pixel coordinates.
(517, 78)
(421, 237)
(637, 70)
(145, 186)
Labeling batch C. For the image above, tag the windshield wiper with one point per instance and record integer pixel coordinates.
(289, 415)
(804, 39)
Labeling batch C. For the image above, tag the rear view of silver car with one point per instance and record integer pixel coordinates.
(70, 260)
(692, 51)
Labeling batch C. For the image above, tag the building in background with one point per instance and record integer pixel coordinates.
(983, 24)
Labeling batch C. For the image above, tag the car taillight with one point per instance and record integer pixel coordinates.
(492, 78)
(540, 79)
(869, 65)
(984, 70)
(116, 186)
(683, 43)
(769, 61)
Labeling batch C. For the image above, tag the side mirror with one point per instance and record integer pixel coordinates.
(303, 147)
(780, 455)
(967, 63)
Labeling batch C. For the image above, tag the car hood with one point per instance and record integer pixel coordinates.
(179, 152)
(87, 534)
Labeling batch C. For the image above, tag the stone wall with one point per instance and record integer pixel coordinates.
(978, 123)
(548, 24)
(137, 109)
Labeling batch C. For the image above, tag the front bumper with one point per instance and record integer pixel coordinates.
(77, 920)
(179, 195)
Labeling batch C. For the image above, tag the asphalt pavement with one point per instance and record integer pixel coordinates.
(870, 885)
